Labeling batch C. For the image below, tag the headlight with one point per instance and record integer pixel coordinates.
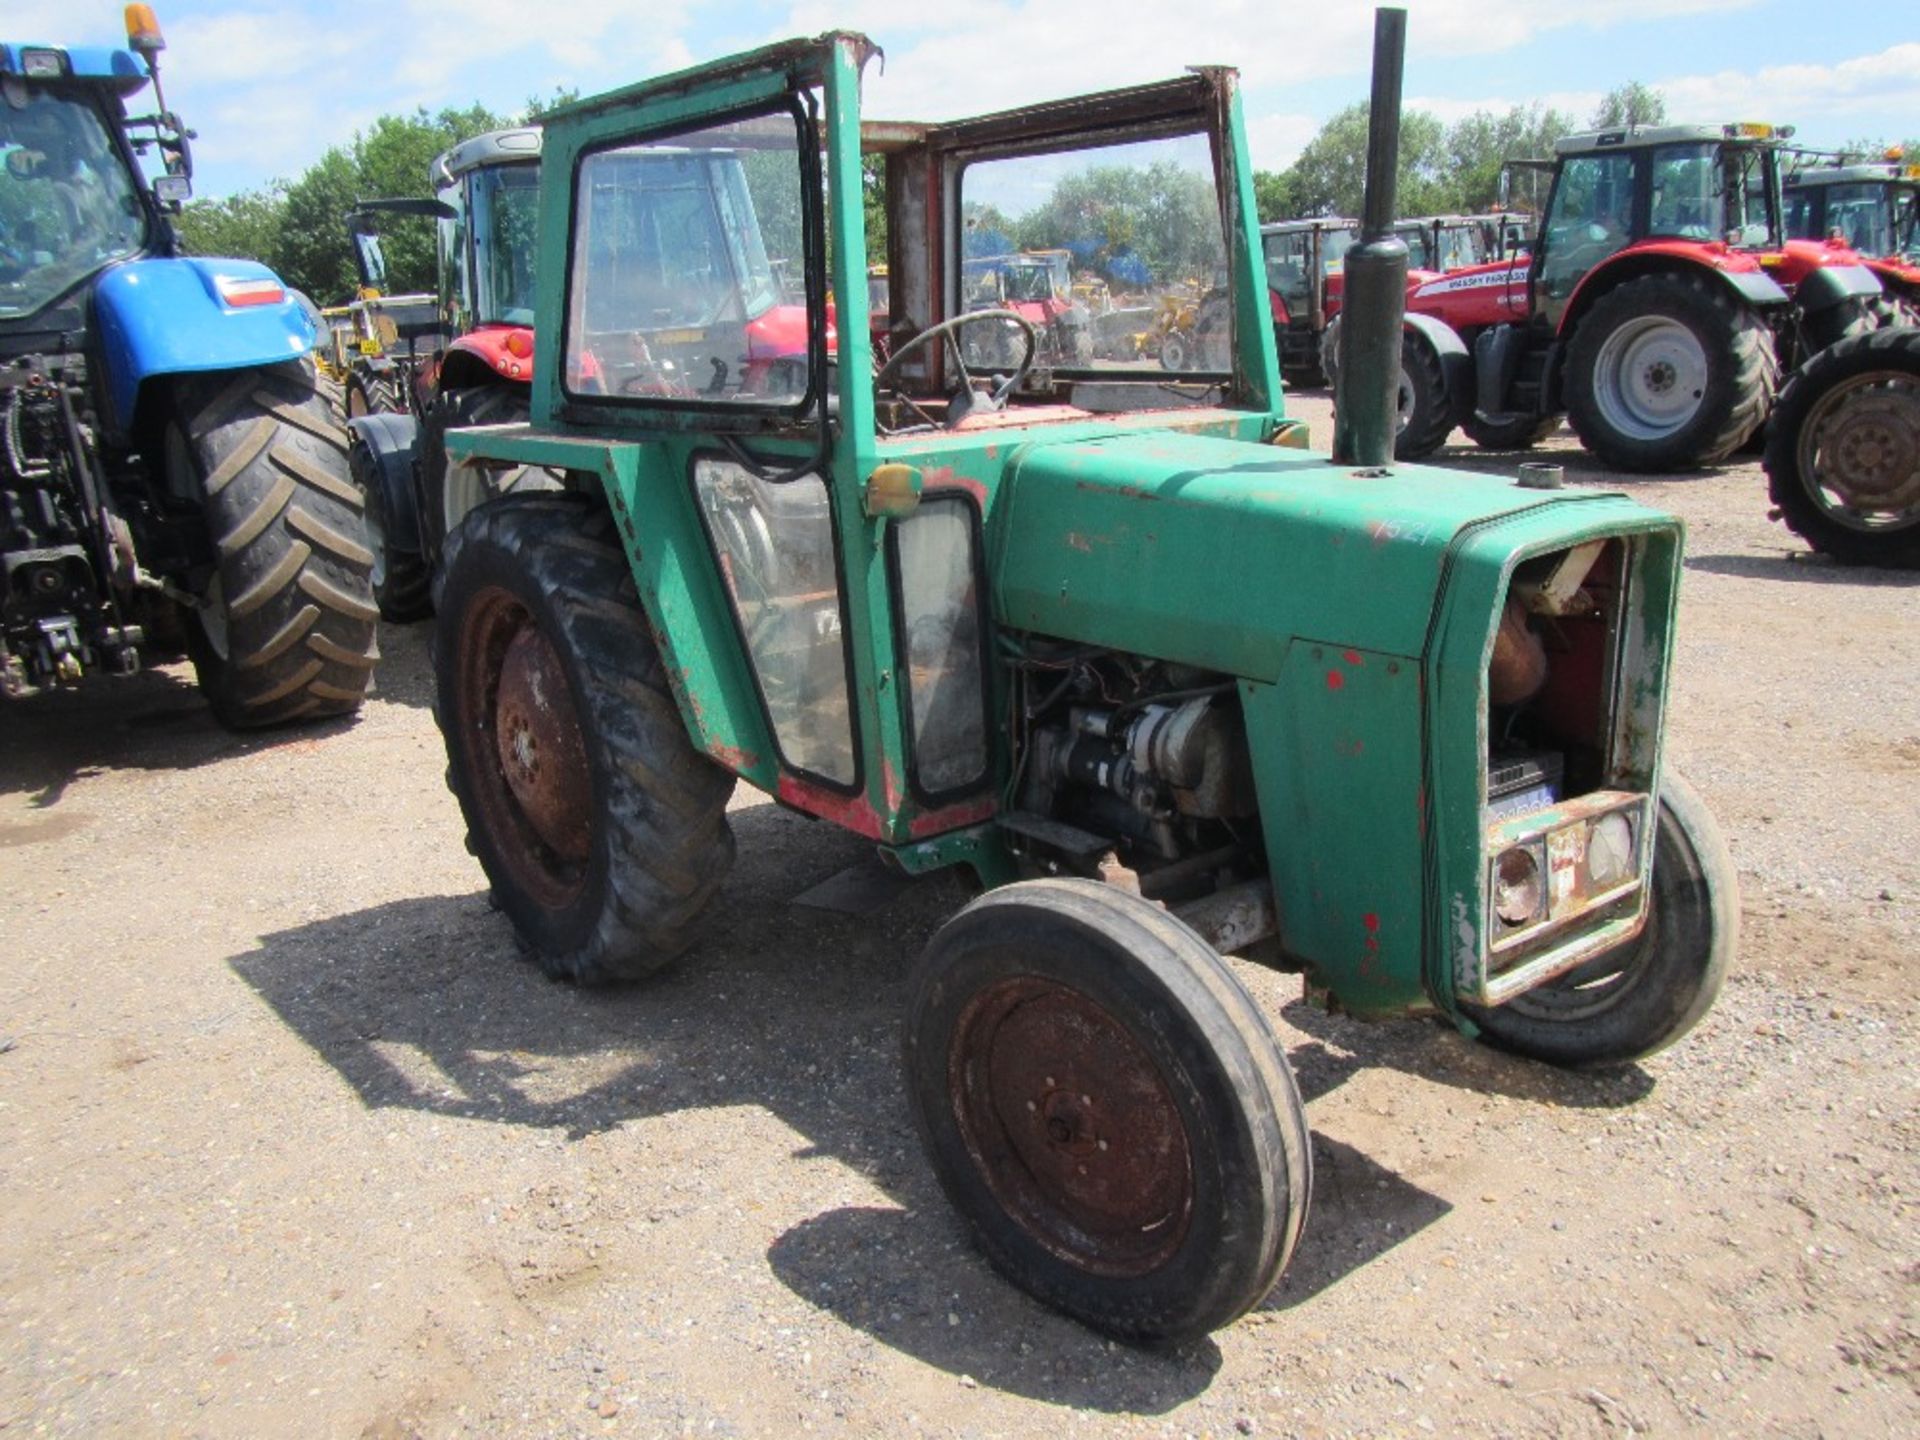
(1518, 887)
(1610, 851)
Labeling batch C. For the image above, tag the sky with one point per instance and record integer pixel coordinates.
(271, 84)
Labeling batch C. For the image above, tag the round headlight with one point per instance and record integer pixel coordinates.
(1610, 851)
(1517, 888)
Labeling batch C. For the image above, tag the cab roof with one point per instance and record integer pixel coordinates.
(1841, 174)
(1629, 136)
(119, 70)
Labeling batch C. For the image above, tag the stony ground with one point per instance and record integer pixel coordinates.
(296, 1145)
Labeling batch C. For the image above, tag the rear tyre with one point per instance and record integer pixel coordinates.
(1106, 1107)
(1426, 411)
(285, 625)
(371, 395)
(601, 829)
(1669, 372)
(1843, 453)
(1520, 432)
(1176, 351)
(1648, 993)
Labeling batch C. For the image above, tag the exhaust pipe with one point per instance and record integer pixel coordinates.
(1367, 388)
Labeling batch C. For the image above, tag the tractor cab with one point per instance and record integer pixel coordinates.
(74, 200)
(1305, 263)
(1872, 209)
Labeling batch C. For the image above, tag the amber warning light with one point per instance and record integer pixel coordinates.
(143, 30)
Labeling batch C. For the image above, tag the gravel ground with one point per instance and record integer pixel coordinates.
(295, 1143)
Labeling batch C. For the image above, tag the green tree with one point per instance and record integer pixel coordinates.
(1479, 145)
(1273, 195)
(246, 225)
(1329, 177)
(1630, 104)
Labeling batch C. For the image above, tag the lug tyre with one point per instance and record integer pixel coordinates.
(1425, 410)
(284, 629)
(1176, 351)
(447, 494)
(601, 829)
(1669, 372)
(1107, 1109)
(371, 395)
(1843, 452)
(1520, 432)
(1646, 994)
(402, 584)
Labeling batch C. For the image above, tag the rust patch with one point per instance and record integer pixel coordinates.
(943, 477)
(851, 812)
(951, 817)
(1077, 541)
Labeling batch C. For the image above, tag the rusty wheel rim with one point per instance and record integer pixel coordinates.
(524, 748)
(1860, 452)
(1072, 1126)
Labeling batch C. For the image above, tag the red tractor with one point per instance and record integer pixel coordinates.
(1305, 262)
(1658, 307)
(1873, 209)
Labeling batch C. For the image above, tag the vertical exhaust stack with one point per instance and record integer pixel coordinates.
(1367, 388)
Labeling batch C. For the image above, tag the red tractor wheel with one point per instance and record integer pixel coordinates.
(1669, 372)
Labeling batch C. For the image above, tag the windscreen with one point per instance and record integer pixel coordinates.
(1115, 256)
(1859, 215)
(67, 203)
(506, 208)
(678, 249)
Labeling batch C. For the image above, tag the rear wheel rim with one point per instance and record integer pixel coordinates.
(1072, 1126)
(1860, 452)
(1650, 378)
(525, 749)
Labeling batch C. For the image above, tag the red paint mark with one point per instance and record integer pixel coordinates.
(852, 812)
(734, 758)
(1420, 806)
(1352, 657)
(953, 817)
(1077, 541)
(942, 477)
(890, 787)
(1335, 680)
(1371, 921)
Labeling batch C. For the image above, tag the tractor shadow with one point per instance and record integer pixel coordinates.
(1803, 567)
(155, 720)
(424, 1004)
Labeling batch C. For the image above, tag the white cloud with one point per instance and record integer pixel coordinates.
(1275, 139)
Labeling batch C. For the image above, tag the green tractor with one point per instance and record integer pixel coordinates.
(1165, 684)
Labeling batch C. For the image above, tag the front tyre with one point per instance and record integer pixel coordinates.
(284, 627)
(1106, 1107)
(1645, 995)
(1424, 409)
(1843, 452)
(1669, 372)
(601, 829)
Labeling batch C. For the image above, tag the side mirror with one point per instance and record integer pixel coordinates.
(172, 191)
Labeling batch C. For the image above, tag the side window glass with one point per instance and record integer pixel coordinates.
(774, 544)
(1686, 193)
(1588, 220)
(936, 579)
(678, 248)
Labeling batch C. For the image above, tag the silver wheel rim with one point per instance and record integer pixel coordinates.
(1650, 378)
(466, 488)
(1859, 452)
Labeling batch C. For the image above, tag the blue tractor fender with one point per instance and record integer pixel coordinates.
(189, 315)
(382, 453)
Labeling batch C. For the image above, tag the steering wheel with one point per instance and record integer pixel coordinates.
(946, 329)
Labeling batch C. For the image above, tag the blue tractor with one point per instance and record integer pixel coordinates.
(172, 474)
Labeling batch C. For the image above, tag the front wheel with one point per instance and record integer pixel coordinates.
(1646, 994)
(1425, 410)
(1843, 455)
(1669, 372)
(602, 830)
(284, 625)
(449, 492)
(1106, 1107)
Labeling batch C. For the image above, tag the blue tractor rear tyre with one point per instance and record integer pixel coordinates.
(284, 629)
